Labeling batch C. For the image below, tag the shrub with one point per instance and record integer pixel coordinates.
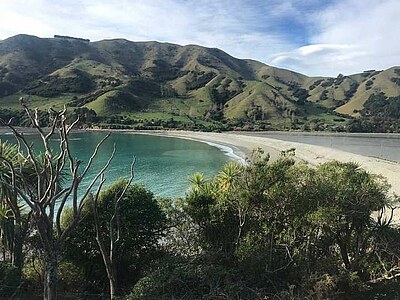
(9, 279)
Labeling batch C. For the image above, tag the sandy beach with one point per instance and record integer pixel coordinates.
(243, 145)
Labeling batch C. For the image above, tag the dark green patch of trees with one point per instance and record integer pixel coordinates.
(200, 79)
(53, 86)
(276, 230)
(353, 88)
(380, 114)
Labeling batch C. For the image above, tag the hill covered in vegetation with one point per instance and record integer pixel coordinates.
(119, 83)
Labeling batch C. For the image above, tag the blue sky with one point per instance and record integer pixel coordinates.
(315, 37)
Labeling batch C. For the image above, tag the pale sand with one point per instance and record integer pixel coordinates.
(311, 154)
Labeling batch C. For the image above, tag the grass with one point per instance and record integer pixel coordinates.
(382, 83)
(12, 101)
(267, 87)
(99, 105)
(92, 67)
(164, 116)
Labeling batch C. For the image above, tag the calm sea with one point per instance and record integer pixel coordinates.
(163, 164)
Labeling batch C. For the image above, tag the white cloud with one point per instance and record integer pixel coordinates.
(348, 36)
(351, 36)
(238, 27)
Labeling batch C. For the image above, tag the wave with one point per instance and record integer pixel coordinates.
(230, 151)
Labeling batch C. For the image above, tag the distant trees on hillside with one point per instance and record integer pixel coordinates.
(66, 37)
(380, 114)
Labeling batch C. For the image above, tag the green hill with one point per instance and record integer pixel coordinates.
(159, 81)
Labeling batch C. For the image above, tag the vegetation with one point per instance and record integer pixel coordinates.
(380, 114)
(261, 230)
(42, 193)
(278, 231)
(204, 89)
(142, 225)
(275, 230)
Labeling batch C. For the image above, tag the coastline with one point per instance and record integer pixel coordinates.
(242, 144)
(239, 145)
(311, 154)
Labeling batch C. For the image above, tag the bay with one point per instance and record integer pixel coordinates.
(163, 164)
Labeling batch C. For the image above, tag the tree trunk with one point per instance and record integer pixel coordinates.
(109, 264)
(17, 257)
(113, 286)
(344, 254)
(51, 276)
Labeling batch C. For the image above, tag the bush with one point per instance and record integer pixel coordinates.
(9, 279)
(142, 223)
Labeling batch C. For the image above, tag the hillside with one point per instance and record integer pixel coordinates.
(147, 82)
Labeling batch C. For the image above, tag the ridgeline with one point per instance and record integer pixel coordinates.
(123, 84)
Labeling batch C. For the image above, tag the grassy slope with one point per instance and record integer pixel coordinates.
(381, 83)
(194, 73)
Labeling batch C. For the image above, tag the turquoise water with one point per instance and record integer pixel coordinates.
(162, 164)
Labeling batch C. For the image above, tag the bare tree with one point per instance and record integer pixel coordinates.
(113, 236)
(46, 198)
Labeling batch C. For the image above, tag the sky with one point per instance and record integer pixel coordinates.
(313, 37)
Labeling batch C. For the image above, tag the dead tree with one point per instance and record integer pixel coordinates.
(46, 198)
(113, 236)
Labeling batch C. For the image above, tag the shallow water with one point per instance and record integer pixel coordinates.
(163, 164)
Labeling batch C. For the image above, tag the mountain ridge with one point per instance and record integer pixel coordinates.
(161, 80)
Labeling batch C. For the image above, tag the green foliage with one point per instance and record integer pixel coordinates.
(324, 95)
(142, 223)
(54, 85)
(380, 114)
(119, 78)
(301, 95)
(86, 116)
(9, 279)
(19, 118)
(176, 278)
(368, 84)
(353, 88)
(265, 229)
(396, 80)
(267, 225)
(200, 80)
(71, 276)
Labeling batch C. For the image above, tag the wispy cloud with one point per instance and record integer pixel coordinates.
(350, 36)
(243, 28)
(317, 37)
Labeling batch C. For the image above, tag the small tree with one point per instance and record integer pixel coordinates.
(14, 218)
(347, 196)
(45, 198)
(137, 228)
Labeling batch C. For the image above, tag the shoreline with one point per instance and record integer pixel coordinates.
(311, 154)
(239, 145)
